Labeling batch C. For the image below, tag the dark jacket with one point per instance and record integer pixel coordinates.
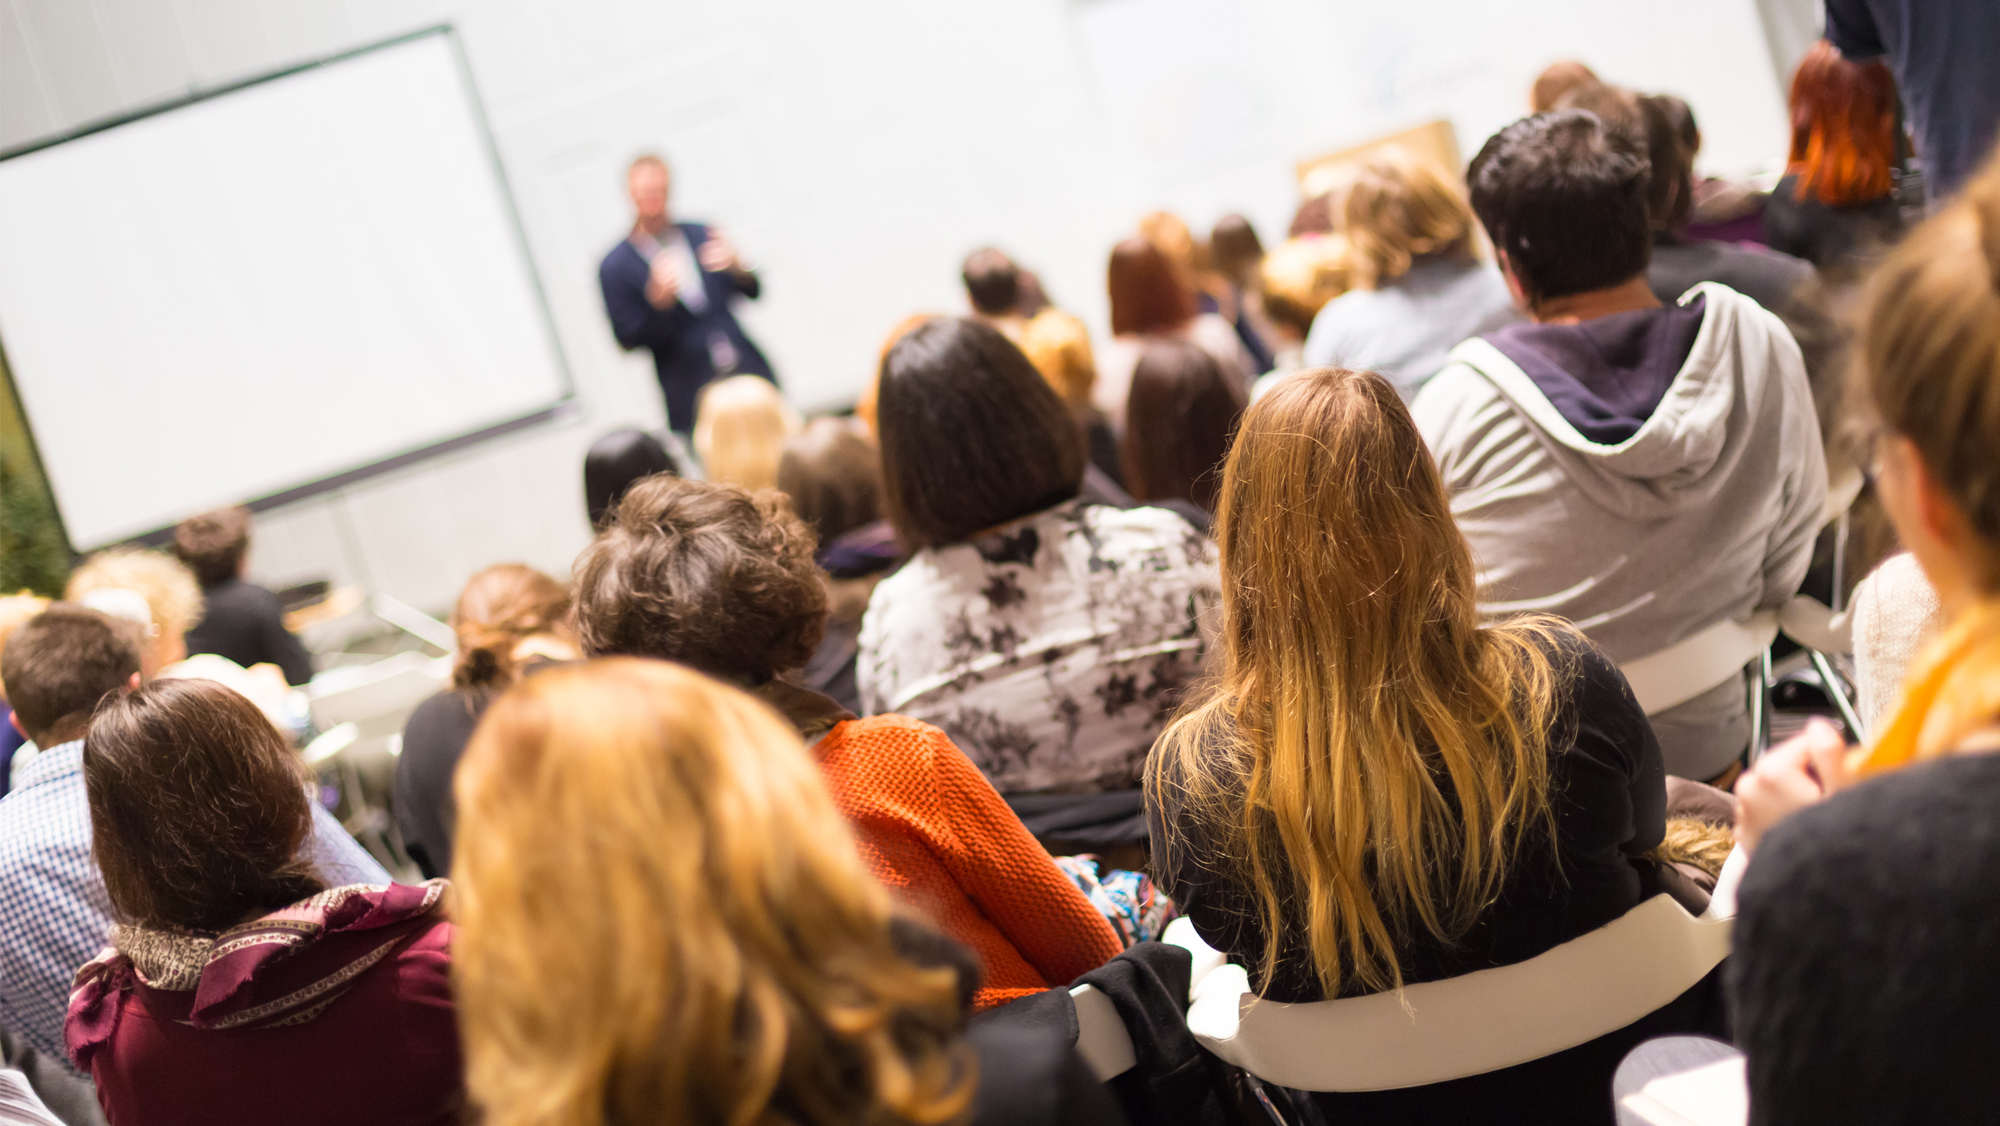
(434, 739)
(679, 340)
(246, 623)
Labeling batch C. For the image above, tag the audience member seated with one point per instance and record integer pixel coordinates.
(1213, 292)
(832, 474)
(1235, 261)
(54, 914)
(740, 430)
(239, 619)
(509, 618)
(241, 983)
(729, 958)
(15, 609)
(1417, 289)
(1152, 300)
(1927, 348)
(993, 288)
(1556, 82)
(1049, 636)
(163, 596)
(1295, 282)
(1059, 346)
(1645, 471)
(723, 581)
(1837, 201)
(1337, 839)
(616, 460)
(1178, 423)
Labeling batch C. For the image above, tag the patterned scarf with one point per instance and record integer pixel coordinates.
(1951, 694)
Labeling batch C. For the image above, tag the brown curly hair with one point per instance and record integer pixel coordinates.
(705, 574)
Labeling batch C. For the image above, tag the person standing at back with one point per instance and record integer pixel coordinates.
(1942, 54)
(1648, 471)
(239, 619)
(667, 288)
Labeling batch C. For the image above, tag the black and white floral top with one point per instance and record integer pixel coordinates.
(1053, 649)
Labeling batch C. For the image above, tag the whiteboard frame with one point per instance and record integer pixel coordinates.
(564, 407)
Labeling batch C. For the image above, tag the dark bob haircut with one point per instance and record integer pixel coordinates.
(198, 808)
(992, 282)
(705, 574)
(1564, 200)
(1179, 420)
(613, 463)
(972, 436)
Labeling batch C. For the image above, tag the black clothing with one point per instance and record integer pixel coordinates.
(246, 623)
(1833, 239)
(433, 740)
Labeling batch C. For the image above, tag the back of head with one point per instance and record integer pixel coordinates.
(864, 406)
(728, 959)
(1928, 351)
(1300, 277)
(613, 463)
(1234, 249)
(1313, 217)
(1179, 419)
(1171, 234)
(705, 574)
(1861, 980)
(1396, 209)
(1671, 138)
(833, 476)
(172, 596)
(1148, 294)
(214, 544)
(1557, 81)
(1342, 571)
(992, 282)
(1843, 128)
(1058, 344)
(972, 436)
(501, 607)
(1563, 197)
(15, 610)
(740, 429)
(61, 662)
(198, 808)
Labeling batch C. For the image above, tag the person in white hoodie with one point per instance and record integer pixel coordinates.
(1645, 470)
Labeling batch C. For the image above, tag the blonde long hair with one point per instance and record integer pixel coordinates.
(1395, 209)
(663, 917)
(1371, 757)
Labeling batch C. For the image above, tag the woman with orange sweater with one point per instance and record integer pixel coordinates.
(724, 581)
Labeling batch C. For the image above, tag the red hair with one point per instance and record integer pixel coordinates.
(1843, 128)
(1148, 294)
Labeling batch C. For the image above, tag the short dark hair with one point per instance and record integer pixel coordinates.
(1179, 420)
(705, 574)
(213, 544)
(1234, 249)
(1564, 199)
(1148, 294)
(972, 435)
(1671, 139)
(64, 660)
(613, 463)
(198, 808)
(992, 281)
(833, 476)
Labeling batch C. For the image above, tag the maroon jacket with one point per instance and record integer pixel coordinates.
(334, 1010)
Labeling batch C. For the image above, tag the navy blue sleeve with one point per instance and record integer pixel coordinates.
(1850, 27)
(634, 320)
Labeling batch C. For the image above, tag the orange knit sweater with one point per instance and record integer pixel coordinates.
(938, 834)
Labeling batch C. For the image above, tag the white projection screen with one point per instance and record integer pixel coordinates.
(259, 293)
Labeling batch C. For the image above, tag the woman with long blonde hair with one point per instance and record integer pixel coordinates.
(662, 916)
(1379, 790)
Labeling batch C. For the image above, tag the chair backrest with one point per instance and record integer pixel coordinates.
(1437, 1031)
(1697, 663)
(1101, 1036)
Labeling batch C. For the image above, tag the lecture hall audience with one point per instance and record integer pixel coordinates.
(1837, 201)
(1644, 470)
(1152, 299)
(239, 619)
(740, 429)
(1178, 422)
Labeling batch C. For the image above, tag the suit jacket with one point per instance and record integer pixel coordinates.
(677, 337)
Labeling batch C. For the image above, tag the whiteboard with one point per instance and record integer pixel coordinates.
(248, 295)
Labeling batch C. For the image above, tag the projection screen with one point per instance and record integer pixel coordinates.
(260, 292)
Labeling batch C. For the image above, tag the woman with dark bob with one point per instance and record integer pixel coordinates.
(1049, 636)
(722, 580)
(1178, 423)
(239, 987)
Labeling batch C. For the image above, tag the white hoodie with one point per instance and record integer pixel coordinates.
(1708, 512)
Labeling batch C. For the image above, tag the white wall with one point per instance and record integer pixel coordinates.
(855, 151)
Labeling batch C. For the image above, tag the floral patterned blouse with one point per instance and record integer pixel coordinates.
(1052, 649)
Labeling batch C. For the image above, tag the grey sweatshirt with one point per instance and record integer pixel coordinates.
(1707, 512)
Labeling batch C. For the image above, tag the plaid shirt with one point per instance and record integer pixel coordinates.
(54, 915)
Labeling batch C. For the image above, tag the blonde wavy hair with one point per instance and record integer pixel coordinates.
(1059, 347)
(173, 596)
(662, 917)
(1371, 757)
(740, 429)
(1394, 209)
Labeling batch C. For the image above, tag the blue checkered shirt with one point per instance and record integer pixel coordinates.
(54, 915)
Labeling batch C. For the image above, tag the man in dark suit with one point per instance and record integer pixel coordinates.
(667, 287)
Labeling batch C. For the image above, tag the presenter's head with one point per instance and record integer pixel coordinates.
(647, 180)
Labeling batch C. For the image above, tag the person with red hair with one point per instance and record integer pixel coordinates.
(1837, 199)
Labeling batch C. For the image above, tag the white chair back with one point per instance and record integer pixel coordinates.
(1101, 1039)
